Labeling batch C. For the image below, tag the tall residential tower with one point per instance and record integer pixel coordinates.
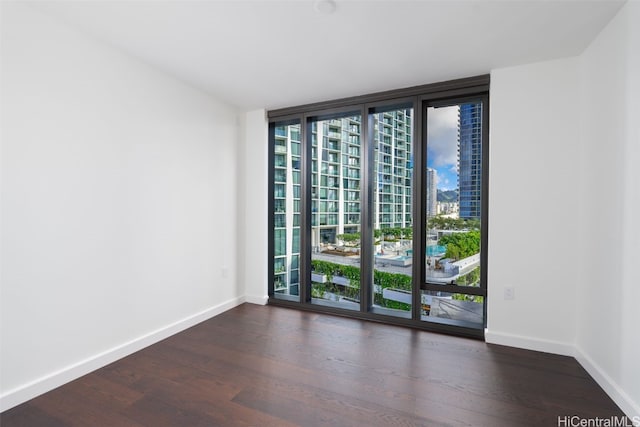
(470, 160)
(337, 149)
(432, 192)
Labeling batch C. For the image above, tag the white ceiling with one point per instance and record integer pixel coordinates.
(272, 54)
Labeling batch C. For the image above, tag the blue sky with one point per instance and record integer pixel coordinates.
(442, 145)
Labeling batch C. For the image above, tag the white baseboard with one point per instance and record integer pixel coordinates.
(529, 343)
(55, 379)
(253, 299)
(613, 390)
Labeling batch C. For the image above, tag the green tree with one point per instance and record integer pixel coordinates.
(350, 238)
(443, 223)
(461, 245)
(393, 233)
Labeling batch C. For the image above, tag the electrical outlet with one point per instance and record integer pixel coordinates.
(509, 293)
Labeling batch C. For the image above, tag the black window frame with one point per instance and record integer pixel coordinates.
(420, 98)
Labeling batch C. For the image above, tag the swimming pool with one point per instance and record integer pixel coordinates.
(436, 250)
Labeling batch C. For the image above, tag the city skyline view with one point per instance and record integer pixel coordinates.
(453, 148)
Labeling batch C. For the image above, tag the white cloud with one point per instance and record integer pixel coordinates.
(442, 136)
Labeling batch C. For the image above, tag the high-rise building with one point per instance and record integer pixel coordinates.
(393, 169)
(470, 160)
(336, 172)
(335, 178)
(336, 162)
(432, 192)
(286, 207)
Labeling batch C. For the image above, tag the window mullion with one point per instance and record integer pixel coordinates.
(305, 211)
(366, 214)
(419, 213)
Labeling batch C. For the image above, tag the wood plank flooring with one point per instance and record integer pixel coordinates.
(270, 366)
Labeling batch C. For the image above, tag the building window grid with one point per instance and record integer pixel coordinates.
(392, 149)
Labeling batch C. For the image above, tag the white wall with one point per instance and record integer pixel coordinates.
(608, 340)
(564, 155)
(118, 205)
(629, 376)
(254, 194)
(536, 220)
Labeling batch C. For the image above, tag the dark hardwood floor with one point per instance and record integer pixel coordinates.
(269, 366)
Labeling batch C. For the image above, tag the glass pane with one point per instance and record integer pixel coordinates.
(286, 215)
(392, 218)
(335, 211)
(455, 309)
(454, 194)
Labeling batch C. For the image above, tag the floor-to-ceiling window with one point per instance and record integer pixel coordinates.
(454, 290)
(378, 206)
(286, 207)
(336, 189)
(392, 227)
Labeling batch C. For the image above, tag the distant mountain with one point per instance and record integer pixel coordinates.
(447, 196)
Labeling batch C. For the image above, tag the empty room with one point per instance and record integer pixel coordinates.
(319, 213)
